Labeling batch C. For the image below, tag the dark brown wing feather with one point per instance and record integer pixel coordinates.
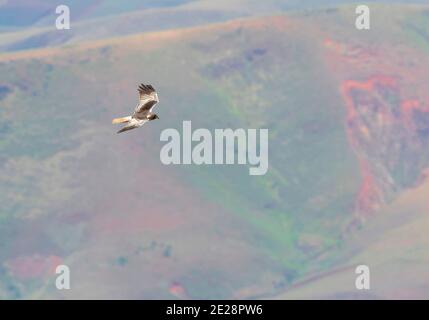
(145, 90)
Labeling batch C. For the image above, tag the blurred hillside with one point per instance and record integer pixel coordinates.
(348, 116)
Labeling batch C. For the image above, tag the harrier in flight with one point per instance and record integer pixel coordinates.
(143, 112)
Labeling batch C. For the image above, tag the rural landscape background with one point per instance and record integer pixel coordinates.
(348, 116)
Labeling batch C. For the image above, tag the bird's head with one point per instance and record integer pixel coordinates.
(152, 116)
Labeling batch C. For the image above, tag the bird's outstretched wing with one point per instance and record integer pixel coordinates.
(148, 99)
(126, 128)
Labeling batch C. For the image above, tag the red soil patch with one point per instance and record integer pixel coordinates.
(365, 103)
(35, 266)
(176, 289)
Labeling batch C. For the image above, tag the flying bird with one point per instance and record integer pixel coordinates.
(148, 98)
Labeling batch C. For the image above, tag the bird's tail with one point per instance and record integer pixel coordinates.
(121, 120)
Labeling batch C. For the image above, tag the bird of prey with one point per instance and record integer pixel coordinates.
(148, 98)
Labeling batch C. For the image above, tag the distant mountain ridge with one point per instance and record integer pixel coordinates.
(31, 24)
